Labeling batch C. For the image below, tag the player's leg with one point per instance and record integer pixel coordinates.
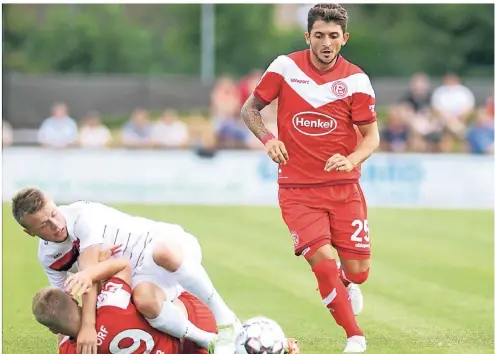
(310, 230)
(165, 316)
(201, 316)
(183, 261)
(350, 230)
(350, 237)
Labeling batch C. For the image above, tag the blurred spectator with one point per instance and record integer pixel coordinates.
(248, 84)
(480, 135)
(427, 131)
(490, 107)
(232, 133)
(396, 133)
(59, 130)
(7, 133)
(137, 132)
(225, 100)
(201, 135)
(419, 95)
(454, 103)
(93, 133)
(169, 131)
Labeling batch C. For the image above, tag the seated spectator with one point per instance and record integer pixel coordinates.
(59, 130)
(93, 133)
(480, 135)
(137, 132)
(395, 135)
(7, 134)
(169, 131)
(201, 135)
(453, 102)
(419, 95)
(232, 133)
(427, 131)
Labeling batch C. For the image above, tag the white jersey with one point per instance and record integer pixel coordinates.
(90, 224)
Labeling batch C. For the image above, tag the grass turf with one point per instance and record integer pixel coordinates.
(430, 288)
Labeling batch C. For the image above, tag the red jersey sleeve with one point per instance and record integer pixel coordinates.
(269, 86)
(363, 101)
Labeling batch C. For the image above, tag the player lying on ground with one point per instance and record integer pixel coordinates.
(165, 260)
(81, 282)
(321, 97)
(121, 328)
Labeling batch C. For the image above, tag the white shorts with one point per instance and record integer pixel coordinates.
(148, 271)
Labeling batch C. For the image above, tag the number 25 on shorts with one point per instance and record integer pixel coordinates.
(360, 225)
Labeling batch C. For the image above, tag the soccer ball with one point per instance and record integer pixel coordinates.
(260, 335)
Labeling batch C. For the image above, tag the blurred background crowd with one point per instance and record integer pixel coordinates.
(434, 95)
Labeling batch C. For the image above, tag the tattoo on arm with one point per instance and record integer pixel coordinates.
(251, 115)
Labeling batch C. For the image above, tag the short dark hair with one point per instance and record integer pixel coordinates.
(328, 13)
(27, 201)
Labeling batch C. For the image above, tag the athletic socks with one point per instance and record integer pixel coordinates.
(173, 321)
(335, 296)
(193, 277)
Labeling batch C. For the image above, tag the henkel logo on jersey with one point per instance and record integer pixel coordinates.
(314, 124)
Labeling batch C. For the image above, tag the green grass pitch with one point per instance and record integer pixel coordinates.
(430, 288)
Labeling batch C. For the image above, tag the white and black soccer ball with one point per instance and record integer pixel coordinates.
(260, 335)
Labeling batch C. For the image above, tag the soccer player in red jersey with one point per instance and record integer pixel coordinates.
(120, 327)
(321, 98)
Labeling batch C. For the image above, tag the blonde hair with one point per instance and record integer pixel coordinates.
(56, 310)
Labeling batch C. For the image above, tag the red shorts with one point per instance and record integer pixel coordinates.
(201, 316)
(335, 215)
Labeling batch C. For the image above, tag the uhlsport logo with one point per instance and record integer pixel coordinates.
(314, 124)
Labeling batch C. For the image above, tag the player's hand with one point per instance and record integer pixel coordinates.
(104, 255)
(339, 163)
(292, 346)
(277, 151)
(78, 284)
(86, 340)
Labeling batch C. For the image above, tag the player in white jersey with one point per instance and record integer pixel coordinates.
(165, 260)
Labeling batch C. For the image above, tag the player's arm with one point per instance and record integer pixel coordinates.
(267, 89)
(82, 282)
(363, 115)
(86, 339)
(90, 229)
(56, 278)
(368, 145)
(265, 92)
(251, 114)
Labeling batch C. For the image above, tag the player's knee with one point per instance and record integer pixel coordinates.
(318, 253)
(168, 256)
(358, 278)
(148, 301)
(356, 270)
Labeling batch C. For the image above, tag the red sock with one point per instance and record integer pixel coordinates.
(335, 296)
(343, 277)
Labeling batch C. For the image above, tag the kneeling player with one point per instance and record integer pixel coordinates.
(120, 327)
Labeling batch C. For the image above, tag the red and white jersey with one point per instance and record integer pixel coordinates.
(90, 224)
(120, 328)
(316, 115)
